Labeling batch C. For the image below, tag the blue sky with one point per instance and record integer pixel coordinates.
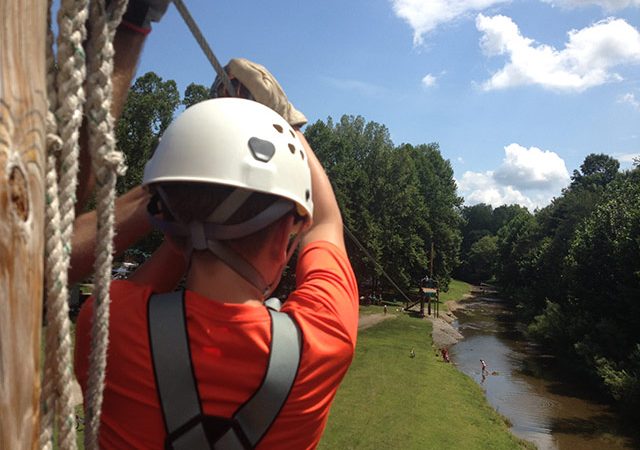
(516, 92)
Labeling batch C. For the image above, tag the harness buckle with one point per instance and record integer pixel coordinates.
(191, 435)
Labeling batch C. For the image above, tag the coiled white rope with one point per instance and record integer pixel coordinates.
(107, 164)
(66, 100)
(65, 79)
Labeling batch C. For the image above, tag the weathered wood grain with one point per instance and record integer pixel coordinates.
(22, 146)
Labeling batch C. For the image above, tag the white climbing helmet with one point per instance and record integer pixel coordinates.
(238, 143)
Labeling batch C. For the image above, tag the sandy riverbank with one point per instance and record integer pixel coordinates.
(443, 333)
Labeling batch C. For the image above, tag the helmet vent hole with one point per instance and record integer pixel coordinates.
(278, 127)
(292, 133)
(261, 150)
(307, 194)
(301, 154)
(292, 148)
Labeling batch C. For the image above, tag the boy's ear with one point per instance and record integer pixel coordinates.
(280, 234)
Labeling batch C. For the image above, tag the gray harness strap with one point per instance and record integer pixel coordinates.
(177, 388)
(175, 379)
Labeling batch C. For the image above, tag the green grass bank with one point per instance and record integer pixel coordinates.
(389, 400)
(457, 291)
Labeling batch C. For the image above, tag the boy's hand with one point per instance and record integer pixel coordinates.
(265, 89)
(141, 13)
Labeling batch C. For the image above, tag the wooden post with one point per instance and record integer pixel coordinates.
(433, 255)
(22, 146)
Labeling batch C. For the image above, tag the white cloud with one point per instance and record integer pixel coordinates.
(481, 187)
(362, 87)
(426, 15)
(627, 158)
(586, 61)
(429, 80)
(529, 177)
(531, 168)
(607, 5)
(631, 99)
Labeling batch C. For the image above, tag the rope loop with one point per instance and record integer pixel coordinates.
(66, 73)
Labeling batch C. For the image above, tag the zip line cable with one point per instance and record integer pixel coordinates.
(353, 237)
(197, 34)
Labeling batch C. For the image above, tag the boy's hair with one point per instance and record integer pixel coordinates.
(196, 201)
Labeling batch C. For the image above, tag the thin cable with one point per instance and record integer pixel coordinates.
(197, 34)
(352, 236)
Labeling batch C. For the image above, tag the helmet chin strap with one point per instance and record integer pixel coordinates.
(239, 265)
(236, 262)
(210, 235)
(292, 248)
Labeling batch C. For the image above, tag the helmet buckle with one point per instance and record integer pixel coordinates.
(198, 239)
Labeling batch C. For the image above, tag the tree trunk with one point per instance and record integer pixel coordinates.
(22, 146)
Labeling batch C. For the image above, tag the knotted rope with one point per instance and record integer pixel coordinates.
(66, 98)
(107, 164)
(65, 95)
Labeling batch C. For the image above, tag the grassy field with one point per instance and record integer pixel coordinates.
(457, 290)
(392, 401)
(389, 400)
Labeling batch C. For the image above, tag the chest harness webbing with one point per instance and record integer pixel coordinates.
(186, 424)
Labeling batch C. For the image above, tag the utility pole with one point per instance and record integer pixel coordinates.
(431, 277)
(433, 253)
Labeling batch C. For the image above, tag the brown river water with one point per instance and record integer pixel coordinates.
(522, 384)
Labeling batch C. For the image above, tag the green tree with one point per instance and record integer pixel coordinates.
(559, 221)
(597, 169)
(195, 93)
(477, 222)
(147, 113)
(482, 258)
(574, 269)
(516, 243)
(352, 153)
(604, 276)
(396, 200)
(480, 221)
(503, 214)
(478, 217)
(443, 219)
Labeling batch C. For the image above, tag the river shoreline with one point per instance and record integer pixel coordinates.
(541, 403)
(443, 333)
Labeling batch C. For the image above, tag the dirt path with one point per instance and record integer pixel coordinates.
(372, 319)
(443, 334)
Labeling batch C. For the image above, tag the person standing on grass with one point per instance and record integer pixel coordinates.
(236, 189)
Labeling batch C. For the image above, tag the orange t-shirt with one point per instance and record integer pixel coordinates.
(230, 349)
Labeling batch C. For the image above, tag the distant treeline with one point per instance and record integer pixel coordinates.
(573, 268)
(396, 200)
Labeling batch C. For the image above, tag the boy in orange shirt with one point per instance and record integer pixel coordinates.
(235, 187)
